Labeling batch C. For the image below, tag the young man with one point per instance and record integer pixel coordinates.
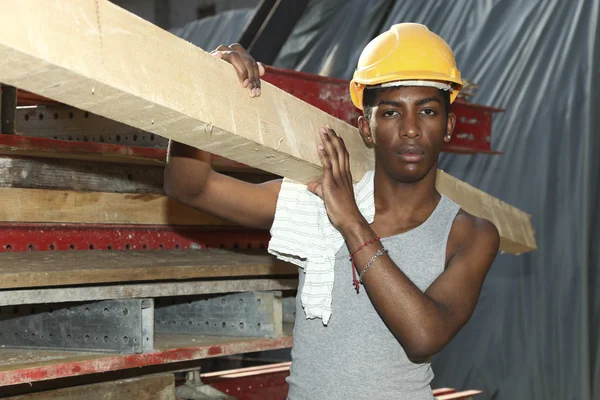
(416, 260)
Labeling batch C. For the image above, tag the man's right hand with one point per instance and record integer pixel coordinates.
(248, 69)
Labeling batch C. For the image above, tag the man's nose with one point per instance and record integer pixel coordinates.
(410, 128)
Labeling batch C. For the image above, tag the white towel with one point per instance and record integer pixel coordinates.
(303, 235)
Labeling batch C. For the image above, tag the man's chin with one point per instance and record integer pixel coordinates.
(414, 175)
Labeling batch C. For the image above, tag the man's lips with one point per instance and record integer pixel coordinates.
(411, 154)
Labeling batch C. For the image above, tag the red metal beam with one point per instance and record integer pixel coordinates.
(473, 127)
(268, 382)
(105, 152)
(57, 237)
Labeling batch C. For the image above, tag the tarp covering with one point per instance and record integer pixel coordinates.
(535, 333)
(209, 33)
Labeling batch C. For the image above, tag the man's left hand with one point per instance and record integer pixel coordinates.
(336, 188)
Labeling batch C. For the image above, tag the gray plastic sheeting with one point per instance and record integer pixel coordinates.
(209, 33)
(535, 332)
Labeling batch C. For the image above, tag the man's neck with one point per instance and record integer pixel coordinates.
(406, 201)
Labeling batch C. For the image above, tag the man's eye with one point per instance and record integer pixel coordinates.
(390, 113)
(429, 112)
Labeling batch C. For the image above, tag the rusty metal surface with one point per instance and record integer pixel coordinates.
(16, 367)
(17, 145)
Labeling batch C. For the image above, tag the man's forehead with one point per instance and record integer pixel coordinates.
(408, 93)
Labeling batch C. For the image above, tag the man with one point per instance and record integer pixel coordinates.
(416, 260)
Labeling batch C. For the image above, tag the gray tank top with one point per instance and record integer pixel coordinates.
(356, 356)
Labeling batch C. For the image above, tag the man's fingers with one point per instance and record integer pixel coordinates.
(326, 163)
(340, 149)
(234, 59)
(261, 69)
(331, 151)
(248, 70)
(252, 68)
(253, 79)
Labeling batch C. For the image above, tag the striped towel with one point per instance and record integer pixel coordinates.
(303, 235)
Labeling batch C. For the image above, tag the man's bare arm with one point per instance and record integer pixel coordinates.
(190, 179)
(425, 322)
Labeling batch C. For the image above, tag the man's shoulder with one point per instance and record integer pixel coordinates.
(473, 233)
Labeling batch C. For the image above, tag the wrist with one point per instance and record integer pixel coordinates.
(356, 230)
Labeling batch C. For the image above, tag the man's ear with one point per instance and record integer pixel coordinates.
(364, 127)
(450, 127)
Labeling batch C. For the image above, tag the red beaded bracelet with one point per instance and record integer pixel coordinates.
(354, 279)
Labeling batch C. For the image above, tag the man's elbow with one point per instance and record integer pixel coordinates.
(171, 189)
(423, 347)
(419, 355)
(177, 190)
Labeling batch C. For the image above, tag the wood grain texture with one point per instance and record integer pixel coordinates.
(66, 206)
(98, 57)
(154, 387)
(60, 268)
(44, 173)
(127, 291)
(90, 176)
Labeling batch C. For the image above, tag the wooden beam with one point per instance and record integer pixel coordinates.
(89, 176)
(153, 387)
(98, 57)
(81, 176)
(64, 206)
(60, 268)
(124, 291)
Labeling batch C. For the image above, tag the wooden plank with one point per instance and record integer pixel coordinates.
(128, 291)
(64, 206)
(89, 176)
(153, 387)
(98, 57)
(515, 237)
(61, 268)
(18, 366)
(47, 173)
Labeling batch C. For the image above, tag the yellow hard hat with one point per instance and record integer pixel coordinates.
(406, 52)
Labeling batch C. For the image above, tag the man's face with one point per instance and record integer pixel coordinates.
(408, 127)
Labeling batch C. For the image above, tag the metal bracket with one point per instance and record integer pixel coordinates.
(249, 314)
(8, 109)
(124, 326)
(289, 309)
